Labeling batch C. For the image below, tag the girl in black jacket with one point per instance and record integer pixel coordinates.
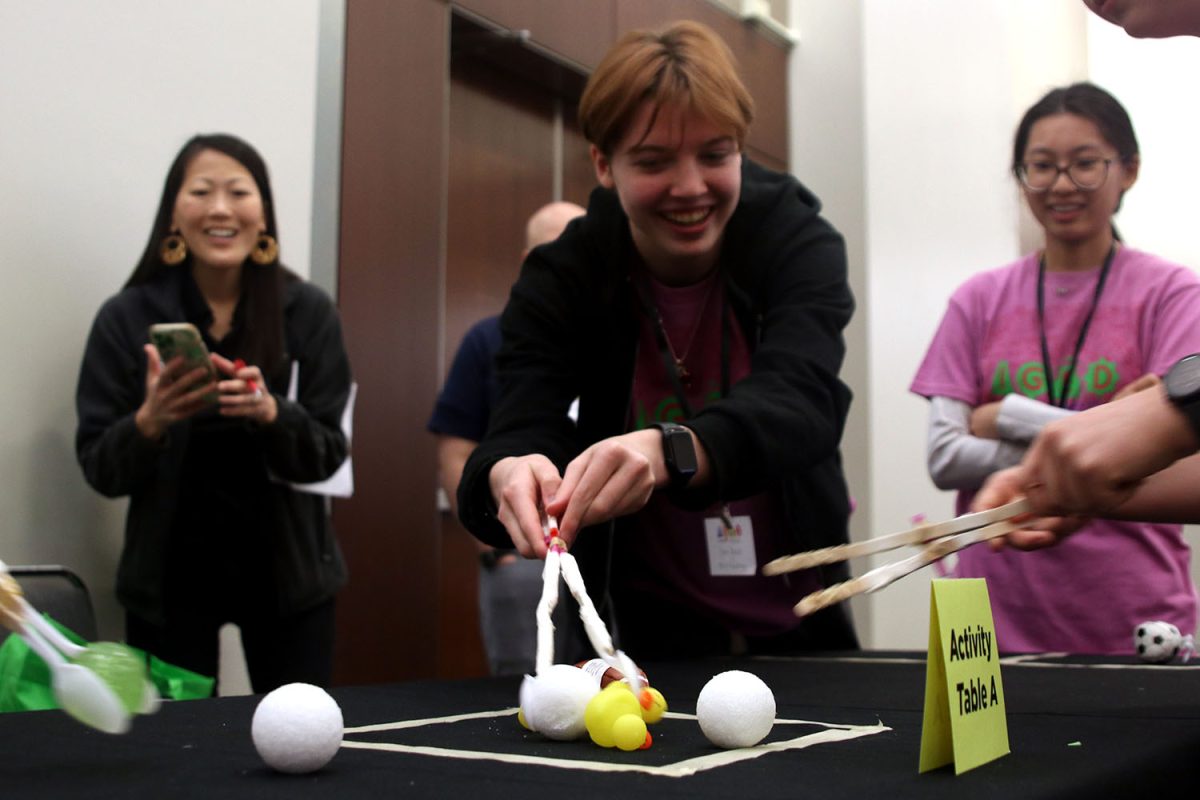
(696, 312)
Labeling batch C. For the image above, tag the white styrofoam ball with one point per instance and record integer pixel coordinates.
(735, 709)
(554, 701)
(297, 728)
(1157, 641)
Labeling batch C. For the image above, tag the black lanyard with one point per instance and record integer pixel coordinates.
(664, 346)
(1060, 399)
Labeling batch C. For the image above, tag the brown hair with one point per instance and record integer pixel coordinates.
(687, 65)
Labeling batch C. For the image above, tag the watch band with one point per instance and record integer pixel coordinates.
(1182, 384)
(679, 454)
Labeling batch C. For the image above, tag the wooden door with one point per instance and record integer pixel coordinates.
(512, 148)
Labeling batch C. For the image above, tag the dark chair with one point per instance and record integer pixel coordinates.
(59, 592)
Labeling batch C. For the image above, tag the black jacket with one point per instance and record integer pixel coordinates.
(303, 445)
(570, 329)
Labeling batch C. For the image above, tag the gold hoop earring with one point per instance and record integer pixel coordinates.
(173, 250)
(265, 251)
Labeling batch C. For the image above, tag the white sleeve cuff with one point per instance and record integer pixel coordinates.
(956, 459)
(1022, 418)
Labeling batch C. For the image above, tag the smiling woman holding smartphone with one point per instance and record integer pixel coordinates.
(215, 532)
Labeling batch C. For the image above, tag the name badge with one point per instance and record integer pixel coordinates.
(730, 546)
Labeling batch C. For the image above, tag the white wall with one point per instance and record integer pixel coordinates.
(946, 83)
(827, 126)
(1154, 80)
(96, 99)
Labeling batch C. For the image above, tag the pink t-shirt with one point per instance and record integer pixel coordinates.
(673, 554)
(1087, 594)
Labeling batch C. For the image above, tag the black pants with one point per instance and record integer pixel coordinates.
(279, 650)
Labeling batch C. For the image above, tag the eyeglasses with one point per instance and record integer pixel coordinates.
(1088, 174)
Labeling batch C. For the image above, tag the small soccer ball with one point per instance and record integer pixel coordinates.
(1156, 642)
(735, 709)
(553, 702)
(297, 728)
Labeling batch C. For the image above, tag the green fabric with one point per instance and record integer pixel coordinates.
(177, 683)
(25, 678)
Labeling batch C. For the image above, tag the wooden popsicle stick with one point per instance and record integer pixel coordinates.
(918, 535)
(11, 597)
(889, 573)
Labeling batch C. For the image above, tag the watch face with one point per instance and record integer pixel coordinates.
(685, 454)
(1183, 380)
(678, 452)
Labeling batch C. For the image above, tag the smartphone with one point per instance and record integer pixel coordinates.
(182, 338)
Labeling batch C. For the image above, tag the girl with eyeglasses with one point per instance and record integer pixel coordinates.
(1081, 321)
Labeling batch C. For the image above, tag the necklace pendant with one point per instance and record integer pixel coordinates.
(685, 377)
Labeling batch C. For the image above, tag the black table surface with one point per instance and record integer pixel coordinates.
(1077, 728)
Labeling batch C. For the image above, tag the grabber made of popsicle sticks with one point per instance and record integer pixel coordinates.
(939, 540)
(560, 563)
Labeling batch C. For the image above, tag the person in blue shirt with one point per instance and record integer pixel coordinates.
(509, 585)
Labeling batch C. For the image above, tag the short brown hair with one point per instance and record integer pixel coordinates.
(686, 64)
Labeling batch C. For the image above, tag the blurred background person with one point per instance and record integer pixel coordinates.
(1150, 19)
(1069, 327)
(215, 533)
(509, 585)
(1107, 461)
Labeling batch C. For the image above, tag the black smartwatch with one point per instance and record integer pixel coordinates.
(678, 452)
(1182, 383)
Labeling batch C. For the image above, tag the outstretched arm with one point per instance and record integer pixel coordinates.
(1167, 496)
(1103, 462)
(1093, 462)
